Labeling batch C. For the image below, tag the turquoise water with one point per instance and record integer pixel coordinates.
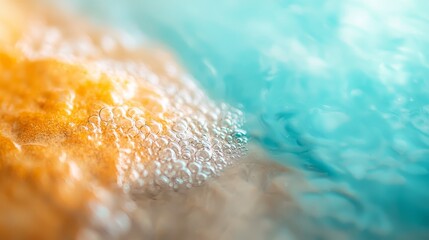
(336, 89)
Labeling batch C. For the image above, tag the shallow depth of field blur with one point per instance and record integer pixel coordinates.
(336, 91)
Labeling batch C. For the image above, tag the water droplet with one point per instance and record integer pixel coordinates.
(134, 112)
(106, 114)
(133, 132)
(118, 112)
(180, 127)
(194, 167)
(167, 155)
(203, 155)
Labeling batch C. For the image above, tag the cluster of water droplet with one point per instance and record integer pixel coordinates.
(183, 152)
(177, 138)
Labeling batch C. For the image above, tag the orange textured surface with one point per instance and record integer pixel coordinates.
(49, 165)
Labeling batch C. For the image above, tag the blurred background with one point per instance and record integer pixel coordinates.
(335, 90)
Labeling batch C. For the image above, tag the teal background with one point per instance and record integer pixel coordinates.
(336, 89)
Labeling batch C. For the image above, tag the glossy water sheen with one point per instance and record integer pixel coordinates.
(339, 89)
